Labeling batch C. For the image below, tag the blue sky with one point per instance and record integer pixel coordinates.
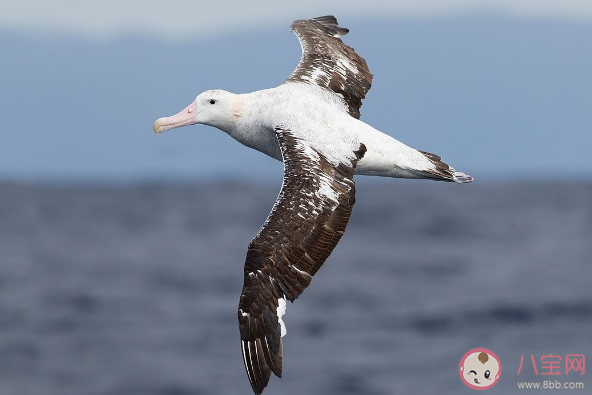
(500, 89)
(195, 19)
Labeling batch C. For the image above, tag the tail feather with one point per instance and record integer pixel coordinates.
(444, 172)
(461, 177)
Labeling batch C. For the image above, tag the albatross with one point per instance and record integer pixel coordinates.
(311, 123)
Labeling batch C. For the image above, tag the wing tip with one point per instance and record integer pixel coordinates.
(261, 345)
(327, 24)
(258, 367)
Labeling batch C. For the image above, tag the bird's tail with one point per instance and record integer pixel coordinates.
(444, 172)
(461, 177)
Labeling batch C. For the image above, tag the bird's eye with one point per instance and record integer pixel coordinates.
(212, 101)
(487, 374)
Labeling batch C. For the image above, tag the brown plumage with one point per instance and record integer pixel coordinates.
(327, 62)
(305, 224)
(443, 171)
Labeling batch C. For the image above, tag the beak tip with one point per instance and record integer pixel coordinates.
(186, 117)
(158, 127)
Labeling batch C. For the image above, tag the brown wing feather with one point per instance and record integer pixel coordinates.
(305, 224)
(327, 62)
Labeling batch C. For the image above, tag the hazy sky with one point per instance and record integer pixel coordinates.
(197, 18)
(498, 88)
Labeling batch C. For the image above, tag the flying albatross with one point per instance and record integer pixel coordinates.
(311, 123)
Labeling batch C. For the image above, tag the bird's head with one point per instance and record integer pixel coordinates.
(216, 108)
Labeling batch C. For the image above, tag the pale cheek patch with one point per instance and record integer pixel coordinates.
(281, 310)
(237, 111)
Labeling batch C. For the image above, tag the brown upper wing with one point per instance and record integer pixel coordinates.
(326, 61)
(305, 224)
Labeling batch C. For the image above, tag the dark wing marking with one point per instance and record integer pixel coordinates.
(327, 62)
(443, 171)
(305, 224)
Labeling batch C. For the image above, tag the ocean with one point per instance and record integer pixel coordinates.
(133, 289)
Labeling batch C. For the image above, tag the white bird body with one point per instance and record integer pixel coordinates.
(322, 121)
(311, 123)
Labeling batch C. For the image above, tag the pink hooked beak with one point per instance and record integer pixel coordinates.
(183, 118)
